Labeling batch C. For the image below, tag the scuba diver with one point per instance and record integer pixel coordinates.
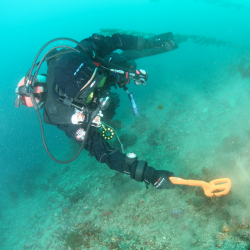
(77, 98)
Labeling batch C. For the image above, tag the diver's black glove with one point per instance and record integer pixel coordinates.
(160, 179)
(161, 41)
(122, 79)
(168, 45)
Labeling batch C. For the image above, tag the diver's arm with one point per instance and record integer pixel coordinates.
(138, 170)
(104, 153)
(129, 42)
(96, 146)
(99, 45)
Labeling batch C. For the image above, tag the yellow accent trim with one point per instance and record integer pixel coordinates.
(90, 97)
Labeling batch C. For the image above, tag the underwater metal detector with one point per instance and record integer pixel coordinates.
(216, 187)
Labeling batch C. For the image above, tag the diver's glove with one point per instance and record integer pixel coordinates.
(119, 79)
(165, 40)
(140, 171)
(168, 45)
(122, 79)
(160, 179)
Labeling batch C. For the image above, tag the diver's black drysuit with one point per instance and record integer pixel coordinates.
(58, 114)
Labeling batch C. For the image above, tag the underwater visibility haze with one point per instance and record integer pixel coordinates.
(194, 121)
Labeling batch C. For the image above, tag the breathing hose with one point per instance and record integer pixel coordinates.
(28, 76)
(93, 115)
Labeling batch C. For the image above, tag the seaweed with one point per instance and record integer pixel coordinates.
(73, 195)
(199, 201)
(74, 240)
(76, 196)
(155, 137)
(87, 234)
(210, 206)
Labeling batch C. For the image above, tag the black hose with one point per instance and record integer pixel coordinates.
(28, 76)
(40, 51)
(51, 57)
(43, 59)
(79, 151)
(110, 65)
(93, 115)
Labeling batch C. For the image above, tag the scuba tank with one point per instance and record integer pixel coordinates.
(39, 90)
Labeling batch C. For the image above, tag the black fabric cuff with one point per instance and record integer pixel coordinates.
(140, 169)
(137, 170)
(133, 169)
